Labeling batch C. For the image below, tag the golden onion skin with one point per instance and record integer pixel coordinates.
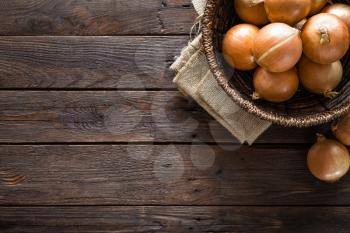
(341, 130)
(275, 87)
(237, 46)
(251, 13)
(318, 78)
(340, 10)
(325, 38)
(316, 6)
(287, 11)
(277, 47)
(328, 160)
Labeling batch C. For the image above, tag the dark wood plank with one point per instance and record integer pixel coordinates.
(95, 17)
(175, 219)
(117, 116)
(162, 175)
(88, 62)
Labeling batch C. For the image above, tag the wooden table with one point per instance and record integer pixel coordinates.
(94, 136)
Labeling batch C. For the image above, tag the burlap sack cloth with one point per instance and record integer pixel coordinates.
(196, 80)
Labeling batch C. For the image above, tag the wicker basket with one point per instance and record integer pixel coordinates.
(303, 110)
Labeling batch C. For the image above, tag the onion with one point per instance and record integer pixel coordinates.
(286, 11)
(328, 160)
(237, 46)
(277, 47)
(318, 78)
(340, 10)
(341, 130)
(316, 6)
(275, 87)
(251, 13)
(325, 38)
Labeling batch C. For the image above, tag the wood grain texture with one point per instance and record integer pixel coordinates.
(162, 175)
(126, 152)
(174, 219)
(95, 17)
(117, 116)
(139, 62)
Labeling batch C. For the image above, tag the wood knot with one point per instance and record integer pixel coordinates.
(9, 178)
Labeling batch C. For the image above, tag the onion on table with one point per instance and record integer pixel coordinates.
(341, 129)
(328, 160)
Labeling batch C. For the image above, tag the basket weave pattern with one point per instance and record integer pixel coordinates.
(303, 110)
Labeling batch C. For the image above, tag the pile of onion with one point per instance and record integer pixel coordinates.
(276, 35)
(297, 41)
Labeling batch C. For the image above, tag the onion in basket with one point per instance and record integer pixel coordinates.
(318, 78)
(341, 129)
(340, 10)
(316, 6)
(325, 38)
(328, 160)
(286, 11)
(251, 13)
(277, 47)
(237, 46)
(275, 87)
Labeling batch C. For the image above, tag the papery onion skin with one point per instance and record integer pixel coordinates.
(320, 79)
(251, 13)
(325, 38)
(328, 160)
(340, 10)
(316, 6)
(275, 87)
(237, 46)
(287, 11)
(277, 47)
(341, 129)
(300, 25)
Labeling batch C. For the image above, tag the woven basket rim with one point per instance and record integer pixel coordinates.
(220, 76)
